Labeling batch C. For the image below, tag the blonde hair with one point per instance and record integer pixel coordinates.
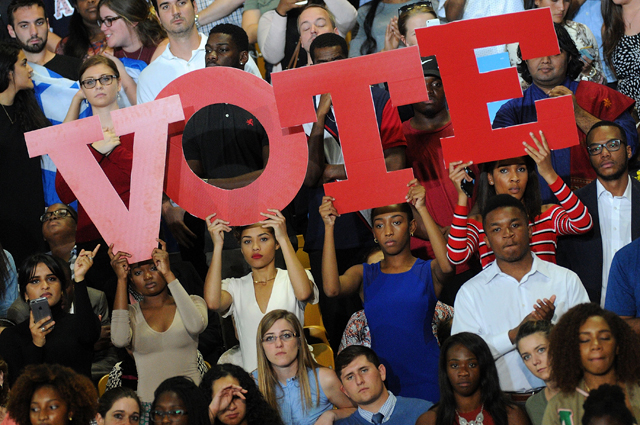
(267, 379)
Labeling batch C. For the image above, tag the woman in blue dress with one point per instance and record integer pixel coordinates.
(399, 293)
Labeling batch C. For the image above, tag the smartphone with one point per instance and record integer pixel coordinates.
(40, 308)
(432, 22)
(586, 54)
(467, 186)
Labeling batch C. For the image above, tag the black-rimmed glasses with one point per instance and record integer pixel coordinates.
(596, 148)
(108, 21)
(105, 80)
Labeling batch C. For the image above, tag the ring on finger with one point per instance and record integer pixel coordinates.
(42, 329)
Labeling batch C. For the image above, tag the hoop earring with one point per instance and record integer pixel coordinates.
(375, 240)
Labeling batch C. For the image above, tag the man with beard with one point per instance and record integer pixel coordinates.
(30, 28)
(516, 288)
(185, 52)
(613, 200)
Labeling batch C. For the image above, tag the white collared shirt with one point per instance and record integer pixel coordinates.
(492, 303)
(166, 68)
(614, 213)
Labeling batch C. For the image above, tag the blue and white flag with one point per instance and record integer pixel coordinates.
(54, 94)
(134, 67)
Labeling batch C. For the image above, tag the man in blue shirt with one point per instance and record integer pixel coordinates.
(362, 378)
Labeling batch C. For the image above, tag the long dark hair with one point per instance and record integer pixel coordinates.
(612, 30)
(370, 45)
(28, 113)
(532, 199)
(149, 30)
(566, 43)
(79, 41)
(194, 400)
(258, 410)
(494, 401)
(58, 267)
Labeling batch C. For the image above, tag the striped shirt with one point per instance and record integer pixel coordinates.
(569, 218)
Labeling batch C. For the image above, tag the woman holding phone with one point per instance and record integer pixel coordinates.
(61, 338)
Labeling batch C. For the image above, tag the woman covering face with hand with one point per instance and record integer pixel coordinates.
(60, 338)
(235, 398)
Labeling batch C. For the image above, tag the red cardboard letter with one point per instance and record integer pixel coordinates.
(134, 230)
(284, 173)
(369, 184)
(468, 91)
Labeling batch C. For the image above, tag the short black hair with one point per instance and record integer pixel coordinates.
(502, 201)
(623, 135)
(607, 401)
(17, 4)
(352, 352)
(329, 39)
(238, 35)
(566, 43)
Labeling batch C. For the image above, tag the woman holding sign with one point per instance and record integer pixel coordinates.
(100, 81)
(266, 288)
(516, 177)
(399, 293)
(163, 328)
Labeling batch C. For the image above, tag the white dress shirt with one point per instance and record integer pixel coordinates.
(614, 213)
(492, 303)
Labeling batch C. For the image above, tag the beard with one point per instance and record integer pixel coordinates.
(32, 48)
(617, 174)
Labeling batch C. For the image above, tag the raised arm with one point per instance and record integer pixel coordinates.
(216, 298)
(218, 10)
(128, 84)
(463, 238)
(441, 269)
(250, 19)
(332, 282)
(74, 107)
(303, 287)
(454, 9)
(272, 33)
(573, 218)
(120, 324)
(330, 385)
(193, 312)
(345, 15)
(316, 164)
(87, 323)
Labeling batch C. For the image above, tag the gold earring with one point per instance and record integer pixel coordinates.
(375, 240)
(411, 234)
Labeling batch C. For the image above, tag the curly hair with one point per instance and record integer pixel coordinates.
(259, 412)
(75, 390)
(194, 400)
(567, 45)
(607, 401)
(493, 399)
(564, 347)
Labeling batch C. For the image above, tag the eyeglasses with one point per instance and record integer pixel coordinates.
(611, 145)
(173, 415)
(284, 337)
(57, 213)
(108, 21)
(105, 80)
(420, 4)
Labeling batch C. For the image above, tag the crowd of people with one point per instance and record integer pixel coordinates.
(501, 293)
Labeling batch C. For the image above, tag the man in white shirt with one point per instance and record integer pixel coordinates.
(184, 53)
(516, 288)
(613, 200)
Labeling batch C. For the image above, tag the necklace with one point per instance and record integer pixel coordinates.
(629, 21)
(5, 111)
(477, 421)
(139, 54)
(263, 282)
